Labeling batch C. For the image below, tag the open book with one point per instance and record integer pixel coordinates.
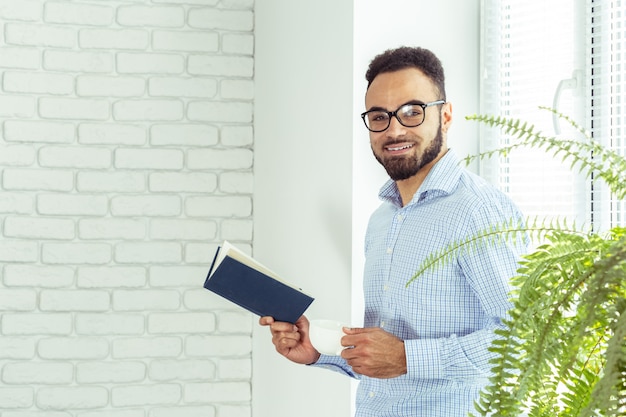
(242, 280)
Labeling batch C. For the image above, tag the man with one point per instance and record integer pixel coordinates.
(424, 348)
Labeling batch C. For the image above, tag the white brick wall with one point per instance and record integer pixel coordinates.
(125, 158)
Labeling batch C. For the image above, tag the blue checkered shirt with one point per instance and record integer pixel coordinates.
(446, 317)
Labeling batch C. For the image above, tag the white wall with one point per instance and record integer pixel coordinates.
(125, 158)
(315, 187)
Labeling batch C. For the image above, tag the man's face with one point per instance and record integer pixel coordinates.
(404, 151)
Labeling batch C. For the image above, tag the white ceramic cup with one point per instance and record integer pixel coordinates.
(326, 336)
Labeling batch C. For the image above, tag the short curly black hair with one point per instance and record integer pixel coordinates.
(409, 57)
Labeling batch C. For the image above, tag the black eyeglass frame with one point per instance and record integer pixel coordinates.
(395, 114)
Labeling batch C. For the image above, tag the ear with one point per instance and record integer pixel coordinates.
(446, 116)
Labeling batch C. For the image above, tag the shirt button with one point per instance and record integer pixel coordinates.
(382, 324)
(371, 394)
(385, 287)
(389, 250)
(399, 217)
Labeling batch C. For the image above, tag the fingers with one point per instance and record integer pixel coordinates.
(266, 320)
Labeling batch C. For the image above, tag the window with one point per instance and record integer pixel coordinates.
(563, 54)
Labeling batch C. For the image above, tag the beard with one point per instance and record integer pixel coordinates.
(404, 167)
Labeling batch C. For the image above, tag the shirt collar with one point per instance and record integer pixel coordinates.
(442, 179)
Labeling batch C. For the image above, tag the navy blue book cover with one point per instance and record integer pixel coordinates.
(255, 290)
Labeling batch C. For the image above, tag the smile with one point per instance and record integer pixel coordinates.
(398, 148)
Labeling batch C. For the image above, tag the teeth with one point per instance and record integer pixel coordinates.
(399, 148)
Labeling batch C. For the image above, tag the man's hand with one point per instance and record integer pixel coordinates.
(374, 352)
(292, 340)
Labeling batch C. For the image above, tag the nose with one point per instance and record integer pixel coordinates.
(395, 128)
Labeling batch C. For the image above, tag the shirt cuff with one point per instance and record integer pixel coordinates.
(425, 358)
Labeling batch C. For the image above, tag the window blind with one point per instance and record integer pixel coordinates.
(528, 48)
(607, 107)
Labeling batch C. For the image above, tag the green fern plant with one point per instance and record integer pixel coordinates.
(562, 351)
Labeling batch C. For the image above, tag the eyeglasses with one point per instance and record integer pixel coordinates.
(409, 115)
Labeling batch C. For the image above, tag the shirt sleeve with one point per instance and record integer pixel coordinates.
(335, 363)
(488, 270)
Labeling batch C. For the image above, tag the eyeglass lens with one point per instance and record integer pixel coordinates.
(409, 115)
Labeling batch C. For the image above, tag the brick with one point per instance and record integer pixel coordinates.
(201, 253)
(40, 179)
(72, 204)
(182, 229)
(47, 276)
(73, 348)
(78, 14)
(188, 41)
(19, 58)
(237, 4)
(237, 89)
(107, 86)
(39, 131)
(228, 112)
(37, 373)
(16, 106)
(117, 181)
(235, 322)
(235, 369)
(111, 229)
(148, 110)
(111, 413)
(111, 134)
(73, 108)
(110, 372)
(146, 205)
(111, 277)
(78, 61)
(227, 206)
(142, 395)
(42, 83)
(17, 300)
(177, 323)
(219, 159)
(155, 16)
(211, 346)
(231, 66)
(17, 347)
(149, 63)
(30, 34)
(123, 39)
(203, 300)
(18, 251)
(237, 135)
(74, 300)
(11, 398)
(149, 159)
(69, 398)
(193, 182)
(182, 87)
(236, 182)
(26, 10)
(208, 18)
(239, 410)
(177, 276)
(196, 2)
(74, 157)
(16, 155)
(237, 230)
(143, 347)
(36, 324)
(146, 300)
(181, 370)
(182, 411)
(109, 324)
(76, 253)
(39, 228)
(16, 203)
(217, 392)
(183, 134)
(238, 43)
